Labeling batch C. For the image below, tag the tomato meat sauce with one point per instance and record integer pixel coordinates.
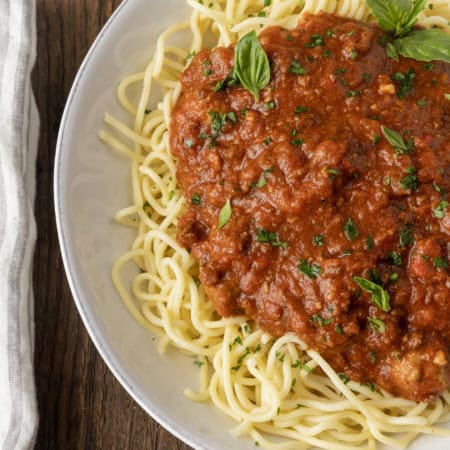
(307, 212)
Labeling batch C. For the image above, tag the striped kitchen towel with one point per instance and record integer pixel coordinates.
(18, 144)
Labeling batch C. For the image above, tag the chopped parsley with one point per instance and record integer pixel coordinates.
(198, 363)
(310, 270)
(393, 277)
(376, 139)
(355, 93)
(318, 240)
(316, 40)
(344, 378)
(269, 237)
(190, 55)
(440, 263)
(339, 330)
(395, 259)
(301, 109)
(406, 236)
(405, 82)
(350, 230)
(372, 357)
(195, 199)
(270, 105)
(340, 71)
(297, 69)
(374, 276)
(317, 319)
(297, 142)
(332, 173)
(410, 181)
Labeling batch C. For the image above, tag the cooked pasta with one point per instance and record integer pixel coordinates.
(278, 391)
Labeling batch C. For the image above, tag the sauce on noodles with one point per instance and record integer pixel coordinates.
(332, 230)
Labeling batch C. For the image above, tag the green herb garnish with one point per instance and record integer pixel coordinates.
(318, 240)
(301, 109)
(439, 211)
(440, 263)
(401, 147)
(195, 199)
(269, 237)
(350, 230)
(297, 69)
(410, 181)
(310, 270)
(406, 236)
(252, 66)
(377, 325)
(224, 215)
(380, 297)
(317, 319)
(395, 259)
(345, 379)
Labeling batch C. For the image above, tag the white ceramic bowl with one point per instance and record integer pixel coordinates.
(91, 183)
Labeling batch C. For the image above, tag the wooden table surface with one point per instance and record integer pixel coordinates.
(81, 405)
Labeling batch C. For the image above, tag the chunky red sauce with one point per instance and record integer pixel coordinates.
(319, 196)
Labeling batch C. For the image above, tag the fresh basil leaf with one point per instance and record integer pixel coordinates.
(391, 51)
(252, 66)
(425, 45)
(380, 297)
(225, 215)
(396, 16)
(394, 138)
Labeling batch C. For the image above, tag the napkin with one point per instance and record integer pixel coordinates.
(18, 144)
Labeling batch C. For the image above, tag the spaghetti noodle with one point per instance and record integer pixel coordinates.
(281, 393)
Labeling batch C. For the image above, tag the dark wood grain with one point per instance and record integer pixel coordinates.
(81, 405)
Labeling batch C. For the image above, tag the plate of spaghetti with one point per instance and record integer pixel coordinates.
(252, 206)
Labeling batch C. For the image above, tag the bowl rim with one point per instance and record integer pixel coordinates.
(103, 349)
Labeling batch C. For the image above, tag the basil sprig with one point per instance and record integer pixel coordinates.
(425, 45)
(251, 64)
(379, 296)
(398, 18)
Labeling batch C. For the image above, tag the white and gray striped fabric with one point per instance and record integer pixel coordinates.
(18, 143)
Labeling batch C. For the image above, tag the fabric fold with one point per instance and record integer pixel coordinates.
(19, 126)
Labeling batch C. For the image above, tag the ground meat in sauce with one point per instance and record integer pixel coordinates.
(319, 196)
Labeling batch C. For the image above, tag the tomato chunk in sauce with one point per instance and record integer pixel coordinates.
(319, 195)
